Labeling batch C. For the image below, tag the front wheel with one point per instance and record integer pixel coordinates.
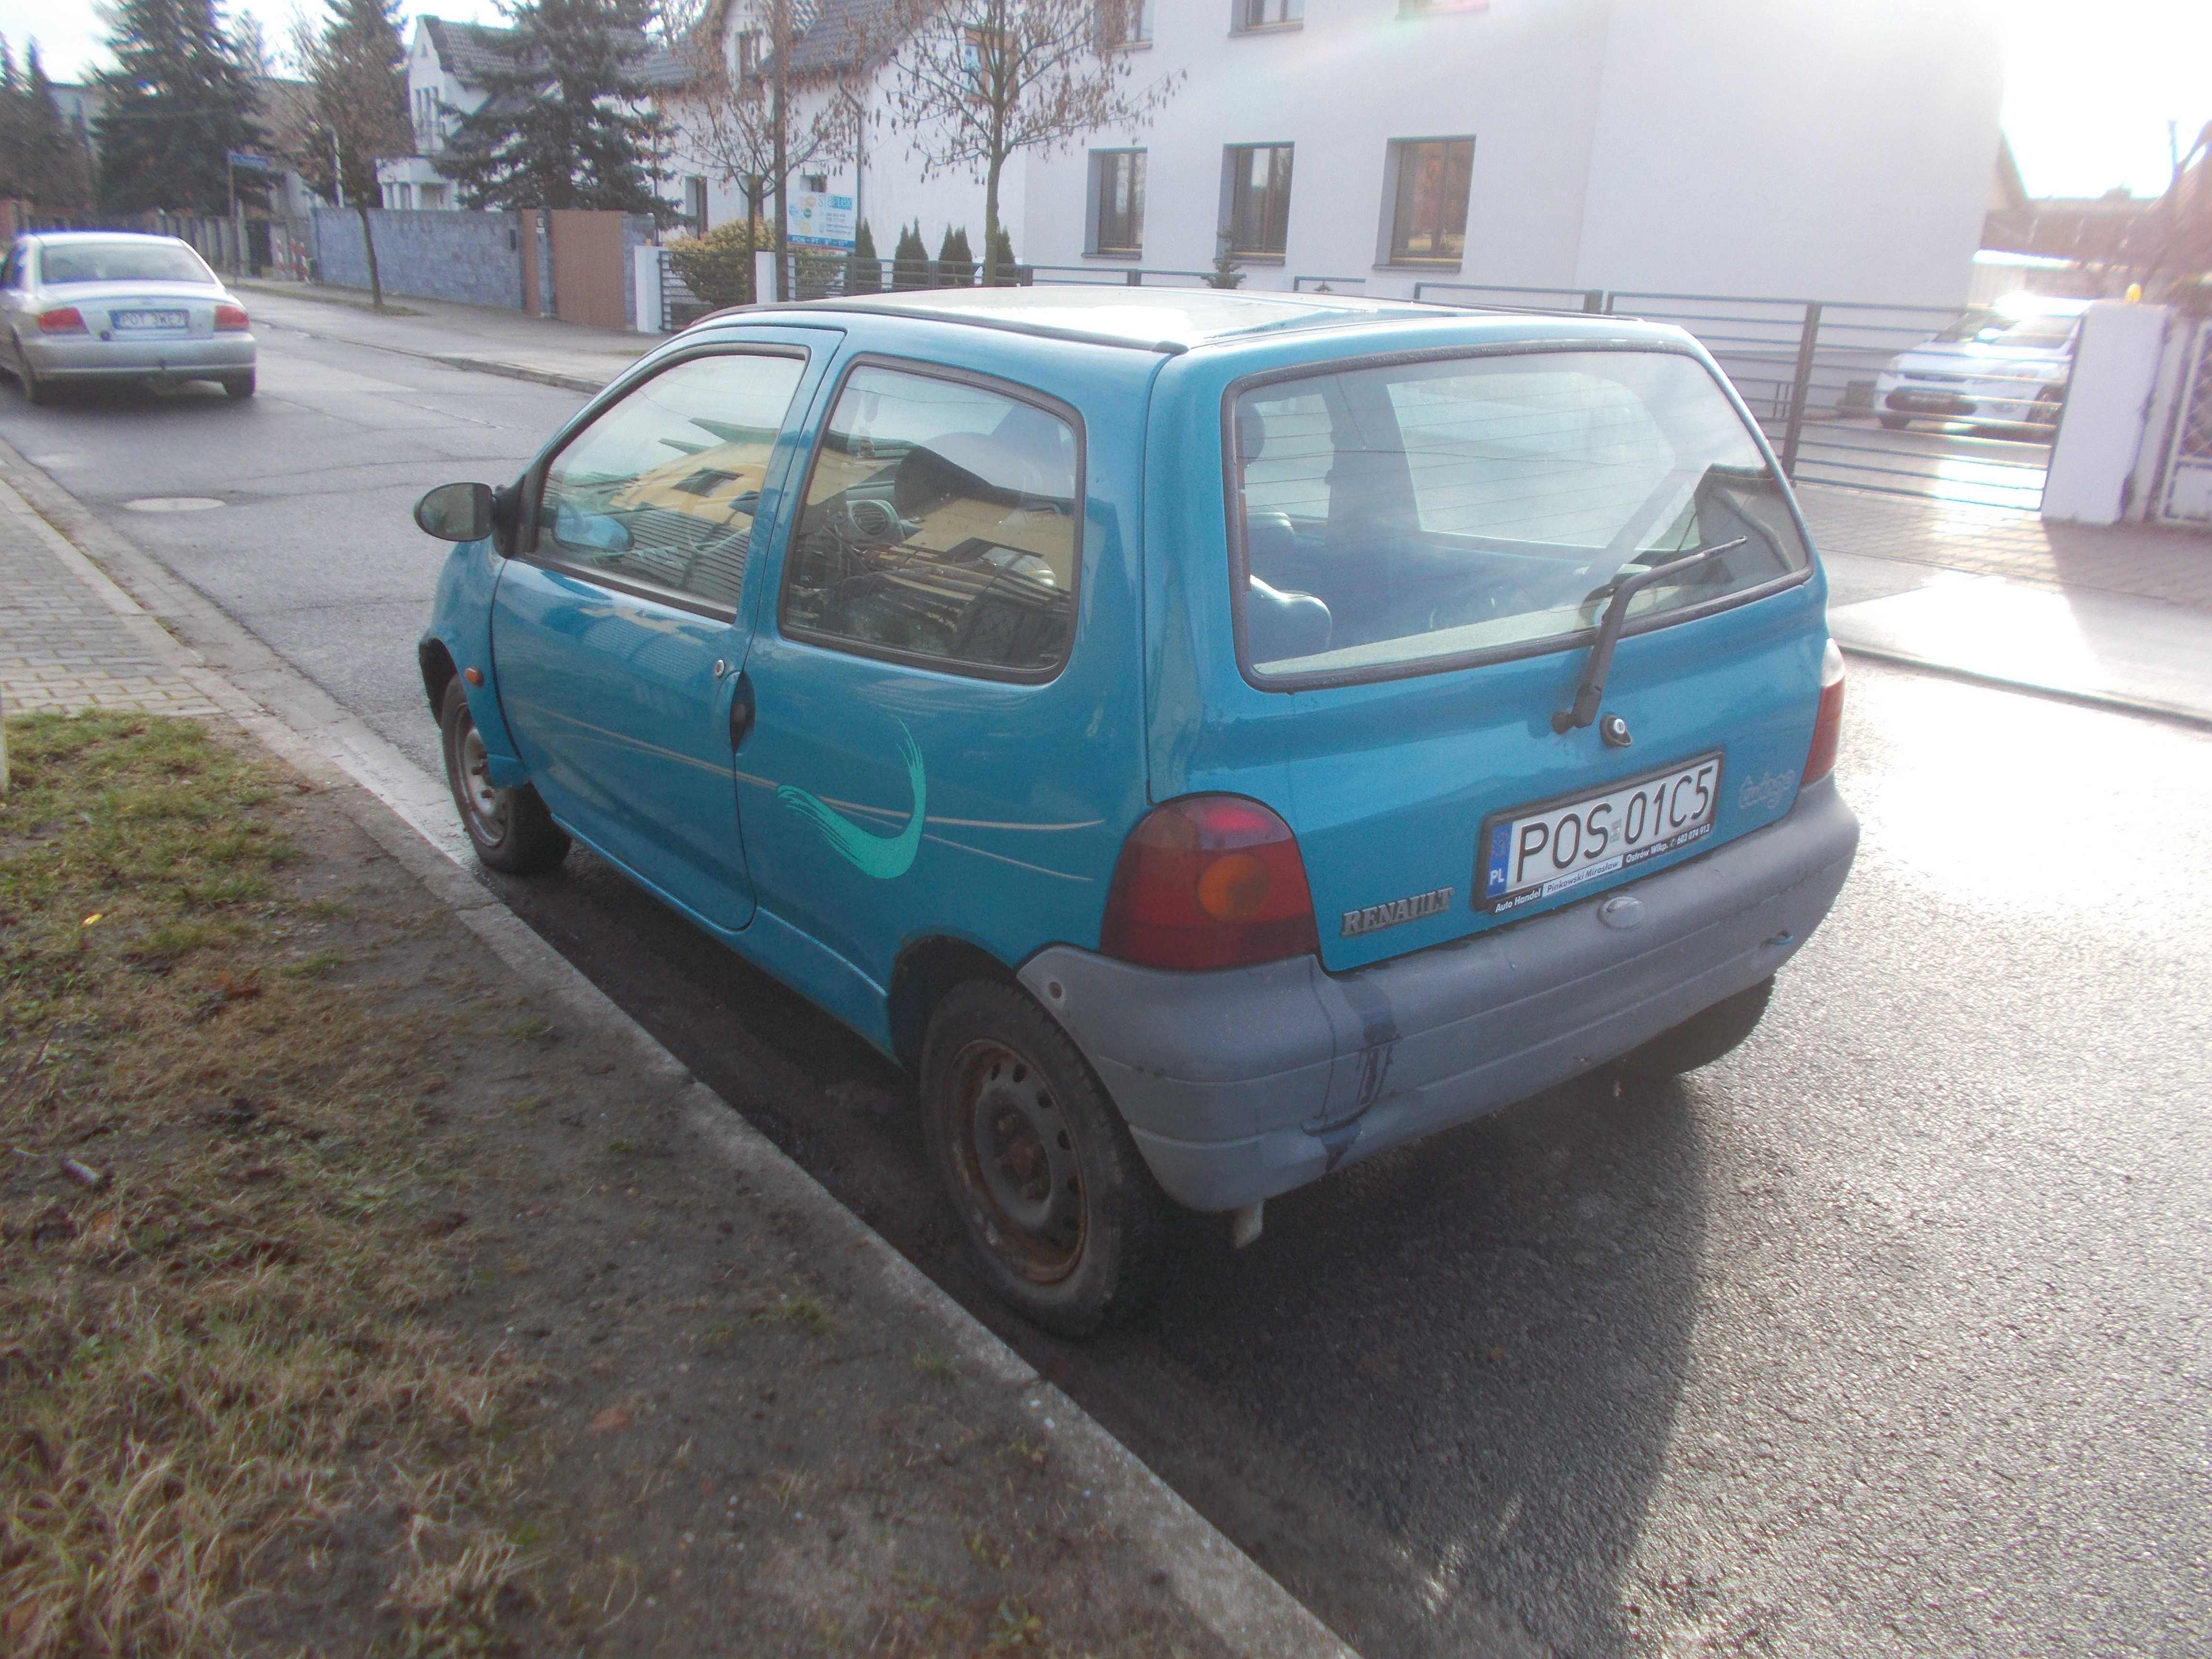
(510, 829)
(1701, 1039)
(1064, 1218)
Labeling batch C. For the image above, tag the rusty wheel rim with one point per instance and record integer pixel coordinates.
(1021, 1180)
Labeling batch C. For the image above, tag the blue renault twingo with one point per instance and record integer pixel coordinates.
(1207, 738)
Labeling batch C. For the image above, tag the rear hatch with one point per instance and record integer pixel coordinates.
(1420, 552)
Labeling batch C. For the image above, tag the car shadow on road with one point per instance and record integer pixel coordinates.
(1432, 1399)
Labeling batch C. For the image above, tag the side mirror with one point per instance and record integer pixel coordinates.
(456, 513)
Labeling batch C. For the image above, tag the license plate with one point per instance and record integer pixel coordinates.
(1533, 852)
(148, 319)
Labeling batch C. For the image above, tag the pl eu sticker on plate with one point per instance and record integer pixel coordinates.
(1532, 852)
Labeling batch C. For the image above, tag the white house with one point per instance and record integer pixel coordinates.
(1748, 147)
(446, 69)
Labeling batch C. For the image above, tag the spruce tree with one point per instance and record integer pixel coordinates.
(558, 127)
(868, 266)
(179, 102)
(57, 169)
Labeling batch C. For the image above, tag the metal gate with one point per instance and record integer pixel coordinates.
(2188, 495)
(1808, 369)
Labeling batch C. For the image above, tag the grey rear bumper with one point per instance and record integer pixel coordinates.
(1241, 1084)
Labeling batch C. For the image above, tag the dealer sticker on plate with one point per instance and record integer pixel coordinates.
(1535, 852)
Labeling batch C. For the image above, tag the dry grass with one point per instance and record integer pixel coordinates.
(213, 1345)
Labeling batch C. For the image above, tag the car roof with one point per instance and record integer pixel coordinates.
(49, 237)
(1162, 320)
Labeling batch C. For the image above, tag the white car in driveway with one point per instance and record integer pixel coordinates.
(2005, 366)
(78, 306)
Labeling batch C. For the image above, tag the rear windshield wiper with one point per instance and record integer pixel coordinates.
(1589, 690)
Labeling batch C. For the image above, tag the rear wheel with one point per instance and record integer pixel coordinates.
(1702, 1038)
(239, 386)
(1065, 1220)
(510, 829)
(36, 390)
(1896, 422)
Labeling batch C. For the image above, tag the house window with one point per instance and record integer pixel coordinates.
(1270, 14)
(695, 202)
(1117, 187)
(1124, 23)
(429, 135)
(814, 184)
(984, 54)
(433, 195)
(748, 52)
(1258, 217)
(1428, 219)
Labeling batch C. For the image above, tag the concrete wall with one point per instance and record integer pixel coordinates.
(1831, 152)
(437, 255)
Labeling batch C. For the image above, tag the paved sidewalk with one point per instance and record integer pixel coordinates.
(481, 337)
(70, 640)
(942, 1470)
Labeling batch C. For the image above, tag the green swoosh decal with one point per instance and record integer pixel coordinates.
(883, 857)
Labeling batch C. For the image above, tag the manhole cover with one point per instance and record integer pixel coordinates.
(171, 504)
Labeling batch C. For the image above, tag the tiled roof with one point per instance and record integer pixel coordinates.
(470, 52)
(842, 34)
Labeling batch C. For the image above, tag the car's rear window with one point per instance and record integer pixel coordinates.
(137, 260)
(1397, 517)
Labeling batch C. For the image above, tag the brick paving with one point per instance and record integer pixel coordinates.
(2148, 562)
(70, 640)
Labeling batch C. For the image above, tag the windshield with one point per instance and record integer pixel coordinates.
(1420, 513)
(134, 259)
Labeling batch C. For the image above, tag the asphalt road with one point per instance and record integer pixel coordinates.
(1885, 1335)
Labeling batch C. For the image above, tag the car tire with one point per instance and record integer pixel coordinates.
(37, 391)
(1701, 1039)
(239, 386)
(1895, 422)
(1064, 1221)
(510, 829)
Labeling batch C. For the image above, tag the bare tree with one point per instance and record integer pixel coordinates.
(738, 127)
(979, 81)
(354, 65)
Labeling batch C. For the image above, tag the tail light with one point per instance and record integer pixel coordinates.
(1209, 881)
(64, 319)
(1828, 723)
(231, 319)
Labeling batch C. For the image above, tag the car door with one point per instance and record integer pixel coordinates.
(619, 626)
(13, 279)
(933, 750)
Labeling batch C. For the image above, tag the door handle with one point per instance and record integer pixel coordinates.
(741, 710)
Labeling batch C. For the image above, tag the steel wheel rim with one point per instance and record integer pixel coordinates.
(1015, 1157)
(483, 801)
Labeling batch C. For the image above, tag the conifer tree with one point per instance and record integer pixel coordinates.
(910, 258)
(560, 126)
(179, 102)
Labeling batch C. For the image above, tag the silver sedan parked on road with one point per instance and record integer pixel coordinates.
(110, 306)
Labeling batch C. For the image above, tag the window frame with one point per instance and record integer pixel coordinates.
(922, 368)
(1230, 195)
(1391, 256)
(1240, 17)
(1097, 247)
(530, 519)
(1137, 17)
(1240, 564)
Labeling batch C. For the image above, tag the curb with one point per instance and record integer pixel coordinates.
(409, 815)
(2142, 708)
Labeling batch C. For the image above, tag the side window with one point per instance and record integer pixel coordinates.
(941, 522)
(11, 274)
(661, 488)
